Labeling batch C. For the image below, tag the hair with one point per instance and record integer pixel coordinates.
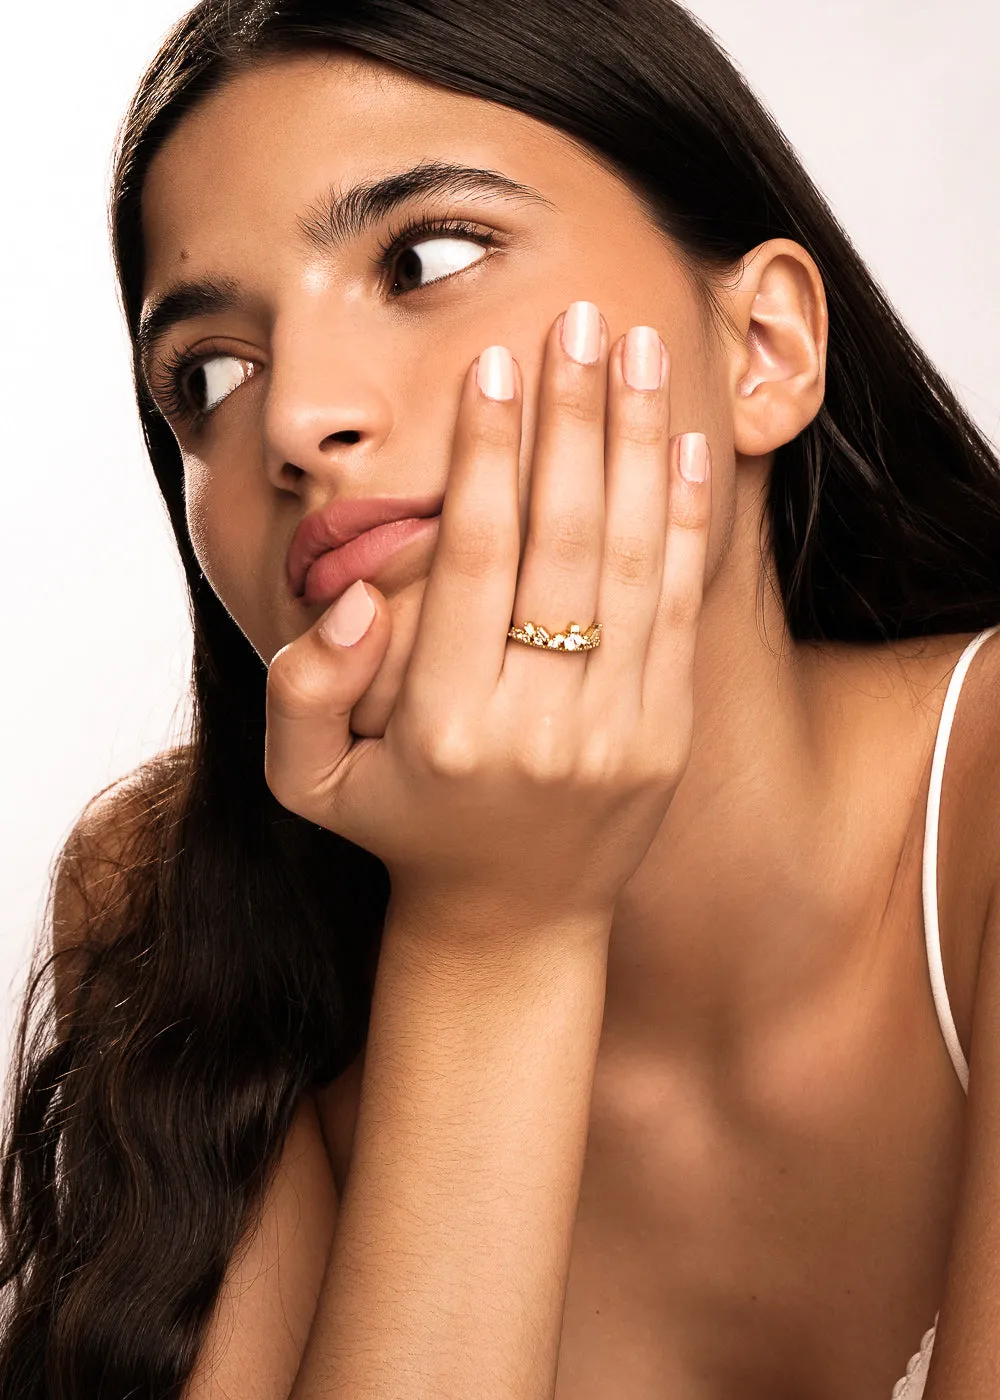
(223, 964)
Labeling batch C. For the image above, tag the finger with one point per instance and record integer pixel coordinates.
(560, 569)
(670, 659)
(459, 648)
(636, 471)
(312, 686)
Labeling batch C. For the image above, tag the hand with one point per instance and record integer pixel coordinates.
(510, 776)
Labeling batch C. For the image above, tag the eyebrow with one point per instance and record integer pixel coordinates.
(325, 226)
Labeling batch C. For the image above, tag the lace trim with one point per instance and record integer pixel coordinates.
(916, 1368)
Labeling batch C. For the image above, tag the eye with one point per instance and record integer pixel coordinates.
(426, 251)
(189, 386)
(214, 380)
(440, 258)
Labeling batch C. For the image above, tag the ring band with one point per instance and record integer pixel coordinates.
(573, 639)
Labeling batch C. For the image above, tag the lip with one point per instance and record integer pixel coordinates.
(362, 557)
(342, 521)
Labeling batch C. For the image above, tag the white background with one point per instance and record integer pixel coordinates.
(893, 104)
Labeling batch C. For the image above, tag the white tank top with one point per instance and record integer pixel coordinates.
(911, 1385)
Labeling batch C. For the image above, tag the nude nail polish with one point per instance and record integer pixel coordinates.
(642, 363)
(495, 373)
(581, 332)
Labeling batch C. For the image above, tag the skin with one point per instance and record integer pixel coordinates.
(768, 1039)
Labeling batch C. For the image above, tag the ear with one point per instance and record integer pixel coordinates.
(779, 312)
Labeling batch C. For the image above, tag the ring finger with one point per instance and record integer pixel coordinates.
(560, 570)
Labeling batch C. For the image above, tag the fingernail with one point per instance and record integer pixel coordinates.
(350, 617)
(642, 363)
(496, 373)
(581, 332)
(693, 459)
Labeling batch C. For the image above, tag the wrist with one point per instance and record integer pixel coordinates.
(440, 928)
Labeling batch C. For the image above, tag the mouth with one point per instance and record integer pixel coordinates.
(341, 521)
(364, 557)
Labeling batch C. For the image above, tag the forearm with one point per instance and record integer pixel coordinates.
(448, 1271)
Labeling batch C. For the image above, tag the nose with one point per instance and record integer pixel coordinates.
(327, 413)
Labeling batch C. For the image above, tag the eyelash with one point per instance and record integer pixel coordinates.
(170, 379)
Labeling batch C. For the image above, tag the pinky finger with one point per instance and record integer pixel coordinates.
(668, 674)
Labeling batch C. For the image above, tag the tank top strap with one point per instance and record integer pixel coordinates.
(932, 931)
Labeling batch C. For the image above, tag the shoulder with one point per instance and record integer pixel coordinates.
(108, 838)
(969, 832)
(973, 767)
(111, 827)
(982, 796)
(111, 816)
(967, 1354)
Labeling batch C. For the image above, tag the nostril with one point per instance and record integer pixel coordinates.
(349, 435)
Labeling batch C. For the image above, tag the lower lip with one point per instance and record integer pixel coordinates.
(362, 557)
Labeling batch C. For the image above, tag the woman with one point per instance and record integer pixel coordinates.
(635, 1086)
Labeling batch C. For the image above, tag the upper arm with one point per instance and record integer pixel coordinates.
(966, 1360)
(264, 1312)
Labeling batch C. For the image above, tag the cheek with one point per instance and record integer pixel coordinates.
(200, 514)
(700, 396)
(223, 536)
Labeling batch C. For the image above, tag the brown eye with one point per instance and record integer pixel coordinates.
(445, 256)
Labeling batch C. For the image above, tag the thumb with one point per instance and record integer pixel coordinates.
(312, 686)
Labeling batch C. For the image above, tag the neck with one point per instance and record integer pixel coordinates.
(773, 867)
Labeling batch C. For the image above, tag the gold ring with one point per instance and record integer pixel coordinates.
(573, 639)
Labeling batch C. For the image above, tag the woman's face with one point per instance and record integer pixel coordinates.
(334, 372)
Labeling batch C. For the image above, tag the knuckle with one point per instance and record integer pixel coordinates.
(476, 547)
(643, 422)
(570, 537)
(296, 688)
(631, 558)
(689, 510)
(449, 752)
(577, 402)
(681, 608)
(493, 431)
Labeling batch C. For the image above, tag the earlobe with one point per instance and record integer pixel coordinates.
(779, 366)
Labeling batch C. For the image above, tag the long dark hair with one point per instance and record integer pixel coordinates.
(226, 965)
